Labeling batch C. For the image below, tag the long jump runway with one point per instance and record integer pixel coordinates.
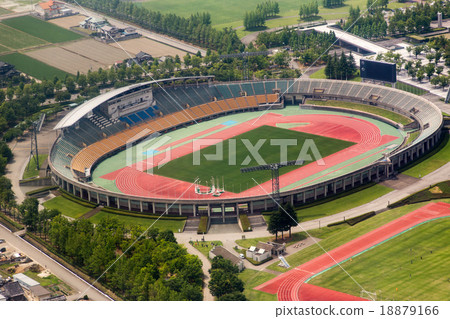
(291, 285)
(134, 180)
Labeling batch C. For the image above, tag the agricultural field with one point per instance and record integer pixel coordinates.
(41, 29)
(96, 51)
(4, 11)
(183, 168)
(32, 67)
(149, 46)
(68, 22)
(411, 266)
(14, 39)
(65, 60)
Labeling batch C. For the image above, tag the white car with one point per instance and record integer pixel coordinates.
(242, 256)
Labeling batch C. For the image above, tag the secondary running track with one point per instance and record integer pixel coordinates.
(291, 285)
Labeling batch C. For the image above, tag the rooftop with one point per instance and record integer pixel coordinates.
(25, 280)
(221, 251)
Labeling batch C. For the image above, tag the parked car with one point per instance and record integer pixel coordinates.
(2, 241)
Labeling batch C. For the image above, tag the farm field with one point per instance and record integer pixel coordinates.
(14, 39)
(4, 11)
(33, 67)
(65, 60)
(183, 168)
(149, 46)
(41, 29)
(96, 51)
(412, 266)
(68, 22)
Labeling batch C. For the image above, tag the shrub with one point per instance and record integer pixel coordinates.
(245, 223)
(203, 225)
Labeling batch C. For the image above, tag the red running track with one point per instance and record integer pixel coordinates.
(291, 285)
(367, 136)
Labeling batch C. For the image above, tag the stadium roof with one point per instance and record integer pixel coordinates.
(78, 113)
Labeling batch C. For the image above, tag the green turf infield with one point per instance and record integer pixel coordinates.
(33, 67)
(253, 278)
(11, 38)
(42, 29)
(412, 266)
(183, 168)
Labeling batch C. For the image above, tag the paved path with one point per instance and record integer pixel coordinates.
(80, 286)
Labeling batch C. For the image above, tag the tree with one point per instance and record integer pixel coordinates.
(420, 74)
(219, 262)
(29, 210)
(234, 296)
(443, 81)
(223, 282)
(429, 70)
(274, 225)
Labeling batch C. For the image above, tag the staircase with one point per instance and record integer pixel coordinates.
(192, 224)
(257, 221)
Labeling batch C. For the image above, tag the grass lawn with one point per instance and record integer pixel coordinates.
(412, 136)
(46, 281)
(415, 263)
(296, 237)
(205, 246)
(409, 88)
(253, 278)
(30, 170)
(33, 67)
(14, 39)
(320, 74)
(67, 207)
(4, 11)
(432, 161)
(183, 168)
(344, 203)
(366, 108)
(3, 49)
(42, 29)
(336, 236)
(162, 224)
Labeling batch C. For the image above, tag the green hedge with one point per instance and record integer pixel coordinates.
(41, 190)
(425, 195)
(354, 220)
(328, 199)
(203, 225)
(142, 215)
(23, 181)
(245, 223)
(9, 223)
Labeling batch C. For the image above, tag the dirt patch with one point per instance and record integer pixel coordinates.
(151, 47)
(68, 22)
(96, 51)
(436, 190)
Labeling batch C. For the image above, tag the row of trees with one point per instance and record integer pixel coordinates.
(155, 267)
(372, 25)
(257, 18)
(196, 29)
(308, 10)
(225, 283)
(373, 5)
(342, 68)
(332, 3)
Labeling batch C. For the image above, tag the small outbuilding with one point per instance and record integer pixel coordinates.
(226, 254)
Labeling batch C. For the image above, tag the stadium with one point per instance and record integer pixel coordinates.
(133, 148)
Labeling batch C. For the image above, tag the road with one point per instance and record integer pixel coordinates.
(78, 284)
(146, 33)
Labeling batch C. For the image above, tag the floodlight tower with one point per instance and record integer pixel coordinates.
(35, 129)
(244, 56)
(275, 169)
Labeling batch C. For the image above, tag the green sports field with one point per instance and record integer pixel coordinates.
(183, 168)
(33, 67)
(42, 29)
(412, 266)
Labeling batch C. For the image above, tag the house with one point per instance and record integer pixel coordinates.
(143, 56)
(38, 293)
(25, 281)
(13, 292)
(52, 9)
(226, 254)
(56, 298)
(7, 70)
(264, 251)
(93, 24)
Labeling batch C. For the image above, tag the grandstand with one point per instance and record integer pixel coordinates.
(108, 123)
